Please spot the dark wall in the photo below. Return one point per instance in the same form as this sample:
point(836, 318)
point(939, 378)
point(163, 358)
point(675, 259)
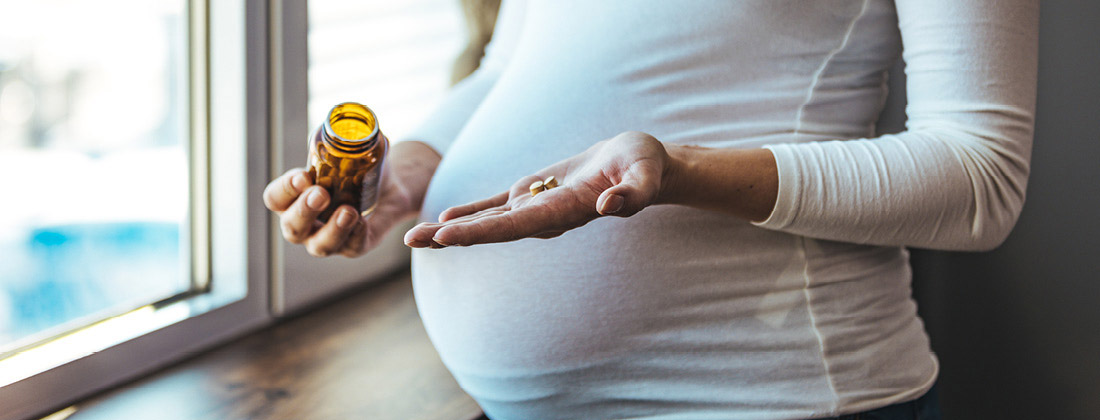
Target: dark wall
point(1018, 329)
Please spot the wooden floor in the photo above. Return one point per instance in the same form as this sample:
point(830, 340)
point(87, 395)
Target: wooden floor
point(365, 356)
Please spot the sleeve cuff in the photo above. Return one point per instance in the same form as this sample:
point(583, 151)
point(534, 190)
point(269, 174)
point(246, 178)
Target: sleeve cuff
point(790, 186)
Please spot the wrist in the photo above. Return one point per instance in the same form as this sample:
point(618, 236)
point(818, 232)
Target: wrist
point(743, 182)
point(681, 164)
point(412, 164)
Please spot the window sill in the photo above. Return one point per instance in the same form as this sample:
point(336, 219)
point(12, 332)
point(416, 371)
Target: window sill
point(363, 356)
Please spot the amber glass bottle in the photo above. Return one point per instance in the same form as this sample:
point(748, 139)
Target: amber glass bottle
point(345, 157)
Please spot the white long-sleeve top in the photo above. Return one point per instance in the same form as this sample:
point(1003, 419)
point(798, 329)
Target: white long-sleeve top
point(679, 313)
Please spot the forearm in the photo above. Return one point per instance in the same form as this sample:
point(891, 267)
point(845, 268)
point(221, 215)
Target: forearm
point(742, 182)
point(930, 188)
point(956, 179)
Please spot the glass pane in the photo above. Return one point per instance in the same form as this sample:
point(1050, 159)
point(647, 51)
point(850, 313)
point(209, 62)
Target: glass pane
point(393, 56)
point(93, 117)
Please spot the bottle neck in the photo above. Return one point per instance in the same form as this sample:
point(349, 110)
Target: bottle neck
point(348, 147)
point(350, 128)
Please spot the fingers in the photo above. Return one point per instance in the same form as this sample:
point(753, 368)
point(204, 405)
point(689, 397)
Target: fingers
point(498, 219)
point(637, 189)
point(300, 219)
point(356, 244)
point(332, 236)
point(471, 208)
point(423, 235)
point(503, 226)
point(281, 192)
point(508, 226)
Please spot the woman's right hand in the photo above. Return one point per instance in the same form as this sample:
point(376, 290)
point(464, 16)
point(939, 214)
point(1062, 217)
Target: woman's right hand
point(297, 201)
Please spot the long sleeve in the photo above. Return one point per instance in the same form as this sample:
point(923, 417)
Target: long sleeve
point(956, 178)
point(448, 118)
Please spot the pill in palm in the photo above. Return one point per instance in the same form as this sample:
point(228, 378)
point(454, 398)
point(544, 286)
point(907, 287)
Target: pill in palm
point(537, 187)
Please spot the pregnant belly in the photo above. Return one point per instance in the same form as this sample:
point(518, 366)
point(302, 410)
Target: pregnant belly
point(673, 305)
point(613, 286)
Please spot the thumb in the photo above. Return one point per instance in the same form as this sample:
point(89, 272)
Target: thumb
point(635, 191)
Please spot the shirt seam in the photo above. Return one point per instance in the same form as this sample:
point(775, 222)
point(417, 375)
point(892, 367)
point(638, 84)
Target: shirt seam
point(799, 116)
point(813, 325)
point(816, 80)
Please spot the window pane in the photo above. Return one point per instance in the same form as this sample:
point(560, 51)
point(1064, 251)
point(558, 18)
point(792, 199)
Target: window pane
point(93, 118)
point(394, 56)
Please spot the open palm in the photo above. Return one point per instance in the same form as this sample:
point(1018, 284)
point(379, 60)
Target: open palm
point(619, 176)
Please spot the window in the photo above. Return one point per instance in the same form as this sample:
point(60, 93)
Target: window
point(121, 253)
point(94, 143)
point(140, 135)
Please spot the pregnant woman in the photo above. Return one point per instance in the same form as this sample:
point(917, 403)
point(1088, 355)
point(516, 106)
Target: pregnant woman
point(728, 237)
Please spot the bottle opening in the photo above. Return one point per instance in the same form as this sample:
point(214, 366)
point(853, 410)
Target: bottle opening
point(351, 122)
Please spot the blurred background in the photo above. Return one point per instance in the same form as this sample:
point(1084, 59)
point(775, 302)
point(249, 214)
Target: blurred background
point(1017, 329)
point(94, 139)
point(93, 120)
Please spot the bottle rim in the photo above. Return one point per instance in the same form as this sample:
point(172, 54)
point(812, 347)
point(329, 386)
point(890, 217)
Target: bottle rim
point(348, 145)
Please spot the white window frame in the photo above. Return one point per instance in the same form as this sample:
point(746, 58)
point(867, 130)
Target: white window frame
point(228, 44)
point(299, 280)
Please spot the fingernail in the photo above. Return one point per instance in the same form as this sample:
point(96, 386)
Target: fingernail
point(345, 219)
point(612, 204)
point(315, 200)
point(299, 182)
